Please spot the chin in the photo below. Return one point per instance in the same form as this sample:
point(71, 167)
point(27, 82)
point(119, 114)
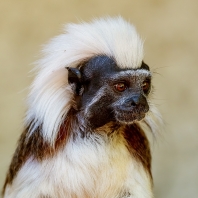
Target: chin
point(129, 117)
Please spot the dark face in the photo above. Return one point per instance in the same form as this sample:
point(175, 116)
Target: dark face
point(105, 92)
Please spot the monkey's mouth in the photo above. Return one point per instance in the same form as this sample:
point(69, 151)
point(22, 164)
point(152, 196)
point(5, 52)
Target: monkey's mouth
point(129, 117)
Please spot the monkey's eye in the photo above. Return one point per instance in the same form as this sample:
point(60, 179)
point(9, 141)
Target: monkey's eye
point(146, 86)
point(120, 87)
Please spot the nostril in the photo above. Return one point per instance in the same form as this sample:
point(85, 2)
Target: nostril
point(133, 104)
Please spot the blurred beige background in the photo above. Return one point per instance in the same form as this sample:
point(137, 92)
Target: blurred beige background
point(170, 28)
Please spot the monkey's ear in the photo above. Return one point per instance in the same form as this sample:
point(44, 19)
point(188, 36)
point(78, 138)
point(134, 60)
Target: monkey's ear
point(74, 75)
point(75, 78)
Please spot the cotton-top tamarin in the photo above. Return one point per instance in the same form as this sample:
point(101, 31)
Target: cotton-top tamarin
point(88, 110)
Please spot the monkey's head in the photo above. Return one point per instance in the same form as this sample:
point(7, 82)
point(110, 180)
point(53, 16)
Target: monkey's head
point(105, 92)
point(106, 78)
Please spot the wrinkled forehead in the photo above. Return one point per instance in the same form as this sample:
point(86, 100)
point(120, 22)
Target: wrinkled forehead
point(106, 67)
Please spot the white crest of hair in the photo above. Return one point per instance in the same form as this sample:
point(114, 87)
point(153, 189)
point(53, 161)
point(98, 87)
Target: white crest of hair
point(51, 96)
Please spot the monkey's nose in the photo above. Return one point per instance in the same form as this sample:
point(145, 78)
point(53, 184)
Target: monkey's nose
point(133, 101)
point(137, 101)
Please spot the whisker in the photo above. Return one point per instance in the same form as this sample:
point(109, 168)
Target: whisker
point(161, 67)
point(157, 73)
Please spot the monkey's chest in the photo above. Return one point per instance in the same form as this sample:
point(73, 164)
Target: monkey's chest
point(87, 169)
point(95, 170)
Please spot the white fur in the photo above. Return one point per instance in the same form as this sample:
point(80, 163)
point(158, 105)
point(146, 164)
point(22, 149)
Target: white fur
point(153, 120)
point(87, 170)
point(50, 96)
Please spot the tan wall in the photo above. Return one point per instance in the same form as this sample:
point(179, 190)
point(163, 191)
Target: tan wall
point(171, 31)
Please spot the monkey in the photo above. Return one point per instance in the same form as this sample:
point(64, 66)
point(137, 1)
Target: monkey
point(89, 110)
